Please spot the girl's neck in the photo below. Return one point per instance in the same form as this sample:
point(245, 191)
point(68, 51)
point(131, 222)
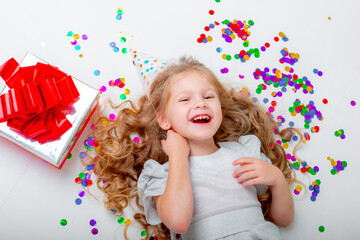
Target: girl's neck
point(200, 148)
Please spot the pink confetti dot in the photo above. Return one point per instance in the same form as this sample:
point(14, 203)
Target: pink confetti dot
point(353, 103)
point(136, 139)
point(112, 116)
point(241, 76)
point(103, 89)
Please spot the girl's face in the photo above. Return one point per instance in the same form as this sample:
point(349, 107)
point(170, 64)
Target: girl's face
point(193, 109)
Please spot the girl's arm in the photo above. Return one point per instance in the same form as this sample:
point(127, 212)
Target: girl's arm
point(282, 203)
point(255, 171)
point(175, 206)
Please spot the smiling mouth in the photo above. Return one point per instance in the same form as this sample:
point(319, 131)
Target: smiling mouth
point(201, 119)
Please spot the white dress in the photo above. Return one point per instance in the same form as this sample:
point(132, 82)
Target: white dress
point(223, 208)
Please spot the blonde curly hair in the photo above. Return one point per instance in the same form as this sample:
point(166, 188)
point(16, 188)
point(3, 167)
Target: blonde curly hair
point(119, 159)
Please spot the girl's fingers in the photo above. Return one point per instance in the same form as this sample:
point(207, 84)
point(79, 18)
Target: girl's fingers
point(251, 182)
point(242, 169)
point(246, 176)
point(243, 161)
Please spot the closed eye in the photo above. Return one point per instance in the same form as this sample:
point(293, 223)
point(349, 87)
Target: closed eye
point(208, 97)
point(183, 100)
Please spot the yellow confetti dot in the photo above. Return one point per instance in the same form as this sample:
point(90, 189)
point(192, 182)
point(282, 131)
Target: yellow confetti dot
point(246, 27)
point(328, 158)
point(298, 188)
point(132, 37)
point(286, 145)
point(281, 34)
point(232, 36)
point(246, 57)
point(127, 91)
point(80, 55)
point(223, 56)
point(105, 122)
point(304, 141)
point(76, 36)
point(309, 88)
point(209, 38)
point(333, 163)
point(287, 68)
point(127, 221)
point(122, 80)
point(329, 18)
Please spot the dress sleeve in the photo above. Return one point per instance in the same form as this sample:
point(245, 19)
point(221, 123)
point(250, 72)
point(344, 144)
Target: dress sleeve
point(152, 182)
point(253, 143)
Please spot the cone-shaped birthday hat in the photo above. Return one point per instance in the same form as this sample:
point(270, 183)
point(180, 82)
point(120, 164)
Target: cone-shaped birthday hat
point(148, 68)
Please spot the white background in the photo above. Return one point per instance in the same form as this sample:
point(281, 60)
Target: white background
point(35, 196)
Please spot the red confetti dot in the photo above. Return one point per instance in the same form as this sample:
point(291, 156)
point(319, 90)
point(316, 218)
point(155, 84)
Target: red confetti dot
point(276, 39)
point(242, 52)
point(207, 28)
point(199, 40)
point(295, 76)
point(325, 101)
point(307, 137)
point(211, 12)
point(316, 128)
point(267, 45)
point(273, 103)
point(216, 23)
point(78, 180)
point(202, 36)
point(89, 182)
point(303, 170)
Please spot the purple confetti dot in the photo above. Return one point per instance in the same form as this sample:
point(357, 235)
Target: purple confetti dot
point(92, 222)
point(81, 193)
point(320, 73)
point(84, 37)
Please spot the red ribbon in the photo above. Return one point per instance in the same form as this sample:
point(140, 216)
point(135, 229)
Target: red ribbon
point(37, 101)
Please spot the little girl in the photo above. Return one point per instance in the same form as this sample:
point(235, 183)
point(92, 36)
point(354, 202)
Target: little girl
point(207, 166)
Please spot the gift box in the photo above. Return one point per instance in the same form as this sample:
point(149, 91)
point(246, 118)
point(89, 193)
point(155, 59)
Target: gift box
point(76, 108)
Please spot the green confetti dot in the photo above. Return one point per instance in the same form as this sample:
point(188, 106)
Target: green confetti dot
point(69, 156)
point(122, 96)
point(236, 56)
point(228, 57)
point(121, 220)
point(258, 91)
point(82, 175)
point(336, 133)
point(63, 222)
point(344, 163)
point(257, 55)
point(217, 1)
point(291, 109)
point(333, 172)
point(312, 171)
point(124, 50)
point(321, 229)
point(318, 181)
point(276, 84)
point(245, 44)
point(251, 22)
point(143, 233)
point(123, 39)
point(306, 125)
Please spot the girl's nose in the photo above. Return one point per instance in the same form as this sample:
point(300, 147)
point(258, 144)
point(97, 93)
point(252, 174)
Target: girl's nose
point(200, 102)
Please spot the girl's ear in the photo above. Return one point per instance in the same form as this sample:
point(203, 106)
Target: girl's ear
point(162, 121)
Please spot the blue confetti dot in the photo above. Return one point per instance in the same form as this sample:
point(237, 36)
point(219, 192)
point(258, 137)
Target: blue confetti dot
point(266, 100)
point(112, 44)
point(82, 155)
point(96, 72)
point(291, 124)
point(118, 17)
point(116, 49)
point(219, 49)
point(78, 201)
point(77, 47)
point(211, 25)
point(315, 71)
point(313, 198)
point(84, 182)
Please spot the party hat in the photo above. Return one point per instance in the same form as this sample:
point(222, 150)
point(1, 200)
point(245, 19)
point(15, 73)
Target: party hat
point(148, 68)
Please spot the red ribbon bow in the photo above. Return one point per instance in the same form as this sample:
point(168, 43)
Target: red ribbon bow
point(38, 98)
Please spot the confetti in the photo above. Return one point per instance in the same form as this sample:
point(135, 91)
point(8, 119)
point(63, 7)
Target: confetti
point(321, 228)
point(340, 133)
point(63, 222)
point(338, 166)
point(94, 231)
point(92, 222)
point(353, 103)
point(315, 188)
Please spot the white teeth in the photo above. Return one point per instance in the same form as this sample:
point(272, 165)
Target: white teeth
point(201, 117)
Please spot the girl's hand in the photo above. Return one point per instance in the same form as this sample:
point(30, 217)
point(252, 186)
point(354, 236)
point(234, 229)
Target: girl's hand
point(175, 144)
point(255, 171)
